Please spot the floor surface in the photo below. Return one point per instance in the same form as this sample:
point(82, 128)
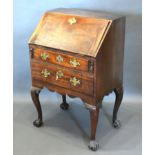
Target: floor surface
point(67, 132)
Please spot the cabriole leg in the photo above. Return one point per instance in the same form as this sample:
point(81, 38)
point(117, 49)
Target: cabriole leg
point(35, 98)
point(119, 97)
point(64, 105)
point(94, 114)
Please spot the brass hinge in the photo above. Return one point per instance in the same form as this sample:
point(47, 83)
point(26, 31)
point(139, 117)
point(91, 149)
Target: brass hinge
point(90, 66)
point(31, 52)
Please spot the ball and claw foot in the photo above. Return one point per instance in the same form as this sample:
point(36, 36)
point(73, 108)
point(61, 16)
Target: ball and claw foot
point(116, 124)
point(38, 123)
point(93, 145)
point(64, 106)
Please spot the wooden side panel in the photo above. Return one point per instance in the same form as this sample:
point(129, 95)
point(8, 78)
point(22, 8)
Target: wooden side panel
point(119, 47)
point(109, 61)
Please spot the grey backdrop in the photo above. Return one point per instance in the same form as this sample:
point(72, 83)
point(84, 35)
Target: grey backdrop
point(27, 15)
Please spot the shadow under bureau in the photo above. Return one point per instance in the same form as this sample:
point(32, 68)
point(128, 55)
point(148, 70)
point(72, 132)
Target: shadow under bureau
point(78, 53)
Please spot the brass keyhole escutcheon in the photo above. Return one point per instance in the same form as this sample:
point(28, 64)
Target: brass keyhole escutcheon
point(74, 63)
point(59, 74)
point(72, 21)
point(59, 58)
point(74, 81)
point(45, 73)
point(44, 56)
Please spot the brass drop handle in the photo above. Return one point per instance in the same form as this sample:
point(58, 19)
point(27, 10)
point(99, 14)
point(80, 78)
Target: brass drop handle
point(72, 21)
point(45, 73)
point(59, 74)
point(44, 56)
point(74, 81)
point(74, 63)
point(59, 58)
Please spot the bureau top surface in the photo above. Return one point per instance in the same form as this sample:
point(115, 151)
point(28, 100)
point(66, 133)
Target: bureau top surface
point(88, 13)
point(73, 30)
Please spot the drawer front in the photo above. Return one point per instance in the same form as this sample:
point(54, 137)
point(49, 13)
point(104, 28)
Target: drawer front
point(59, 76)
point(56, 57)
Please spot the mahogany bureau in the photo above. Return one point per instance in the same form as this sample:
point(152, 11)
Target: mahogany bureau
point(78, 53)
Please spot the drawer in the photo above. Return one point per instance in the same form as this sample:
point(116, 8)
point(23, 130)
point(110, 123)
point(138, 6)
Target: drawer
point(59, 58)
point(60, 76)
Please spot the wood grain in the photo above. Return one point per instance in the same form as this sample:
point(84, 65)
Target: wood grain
point(53, 53)
point(86, 82)
point(55, 31)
